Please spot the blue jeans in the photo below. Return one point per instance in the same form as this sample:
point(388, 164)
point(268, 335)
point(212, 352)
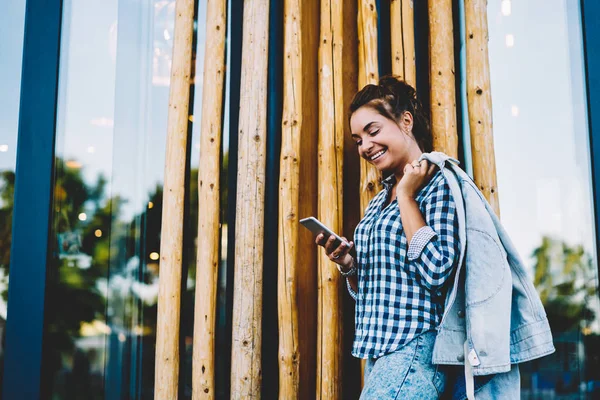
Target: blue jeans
point(406, 373)
point(505, 385)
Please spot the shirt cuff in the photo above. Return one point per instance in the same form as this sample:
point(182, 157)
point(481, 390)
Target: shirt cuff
point(419, 241)
point(353, 294)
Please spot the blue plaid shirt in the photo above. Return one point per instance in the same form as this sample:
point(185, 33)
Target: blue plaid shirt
point(400, 286)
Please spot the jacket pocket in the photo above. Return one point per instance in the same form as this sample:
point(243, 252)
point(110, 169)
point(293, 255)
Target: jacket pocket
point(486, 267)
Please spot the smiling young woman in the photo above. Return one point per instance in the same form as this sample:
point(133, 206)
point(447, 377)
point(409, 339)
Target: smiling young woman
point(406, 246)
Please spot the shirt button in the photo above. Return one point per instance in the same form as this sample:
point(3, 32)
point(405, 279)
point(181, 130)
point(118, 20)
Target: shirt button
point(461, 314)
point(460, 358)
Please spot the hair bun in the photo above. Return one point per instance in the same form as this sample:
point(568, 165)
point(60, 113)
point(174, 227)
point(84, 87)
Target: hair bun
point(398, 87)
point(398, 92)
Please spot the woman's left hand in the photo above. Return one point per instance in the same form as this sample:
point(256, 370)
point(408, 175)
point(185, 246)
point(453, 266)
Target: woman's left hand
point(416, 175)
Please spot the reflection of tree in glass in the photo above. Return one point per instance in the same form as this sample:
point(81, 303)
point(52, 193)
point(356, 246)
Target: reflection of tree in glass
point(79, 295)
point(565, 280)
point(7, 191)
point(73, 294)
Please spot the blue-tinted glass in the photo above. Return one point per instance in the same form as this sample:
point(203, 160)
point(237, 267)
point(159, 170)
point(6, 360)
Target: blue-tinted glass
point(110, 151)
point(544, 181)
point(110, 159)
point(12, 21)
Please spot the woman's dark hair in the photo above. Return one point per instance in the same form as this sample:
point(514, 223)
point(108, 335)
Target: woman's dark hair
point(392, 97)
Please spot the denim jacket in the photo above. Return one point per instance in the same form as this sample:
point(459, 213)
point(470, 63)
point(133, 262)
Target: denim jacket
point(491, 305)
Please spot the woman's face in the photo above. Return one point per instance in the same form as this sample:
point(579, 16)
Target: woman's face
point(382, 142)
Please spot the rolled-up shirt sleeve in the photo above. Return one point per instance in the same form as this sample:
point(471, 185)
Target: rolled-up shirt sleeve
point(434, 248)
point(419, 240)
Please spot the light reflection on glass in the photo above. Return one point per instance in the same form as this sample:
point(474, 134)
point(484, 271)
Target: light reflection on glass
point(12, 21)
point(111, 125)
point(506, 8)
point(510, 40)
point(544, 183)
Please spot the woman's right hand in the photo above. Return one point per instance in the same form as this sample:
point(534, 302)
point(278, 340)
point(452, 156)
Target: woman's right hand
point(341, 254)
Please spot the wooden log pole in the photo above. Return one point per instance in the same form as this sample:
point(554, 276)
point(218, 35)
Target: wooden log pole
point(166, 373)
point(289, 184)
point(368, 65)
point(207, 259)
point(330, 203)
point(402, 24)
point(479, 99)
point(307, 271)
point(249, 236)
point(368, 73)
point(297, 268)
point(442, 79)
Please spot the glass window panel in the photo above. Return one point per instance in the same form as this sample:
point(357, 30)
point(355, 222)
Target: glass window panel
point(544, 181)
point(110, 150)
point(12, 21)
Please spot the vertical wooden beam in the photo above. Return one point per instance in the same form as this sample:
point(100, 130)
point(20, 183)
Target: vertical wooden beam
point(207, 259)
point(297, 197)
point(247, 300)
point(331, 157)
point(289, 185)
point(367, 30)
point(442, 79)
point(402, 24)
point(479, 98)
point(306, 272)
point(368, 73)
point(169, 293)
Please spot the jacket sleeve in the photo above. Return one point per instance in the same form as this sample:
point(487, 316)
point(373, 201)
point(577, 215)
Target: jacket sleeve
point(434, 249)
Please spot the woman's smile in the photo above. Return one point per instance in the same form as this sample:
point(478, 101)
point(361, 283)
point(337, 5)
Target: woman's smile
point(377, 155)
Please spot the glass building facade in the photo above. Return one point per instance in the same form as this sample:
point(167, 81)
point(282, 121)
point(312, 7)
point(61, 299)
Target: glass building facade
point(83, 107)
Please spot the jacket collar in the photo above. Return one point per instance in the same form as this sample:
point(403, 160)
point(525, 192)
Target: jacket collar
point(438, 158)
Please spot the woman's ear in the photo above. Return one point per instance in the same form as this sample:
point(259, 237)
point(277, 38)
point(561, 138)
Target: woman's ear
point(406, 121)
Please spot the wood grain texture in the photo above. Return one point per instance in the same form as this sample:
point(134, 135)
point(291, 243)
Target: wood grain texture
point(207, 258)
point(442, 78)
point(368, 67)
point(249, 237)
point(330, 205)
point(402, 31)
point(479, 99)
point(289, 196)
point(169, 294)
point(306, 272)
point(297, 267)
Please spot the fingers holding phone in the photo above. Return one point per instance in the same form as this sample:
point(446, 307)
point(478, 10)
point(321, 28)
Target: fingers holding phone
point(336, 250)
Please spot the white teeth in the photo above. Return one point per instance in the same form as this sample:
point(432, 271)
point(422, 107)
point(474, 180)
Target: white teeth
point(377, 155)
